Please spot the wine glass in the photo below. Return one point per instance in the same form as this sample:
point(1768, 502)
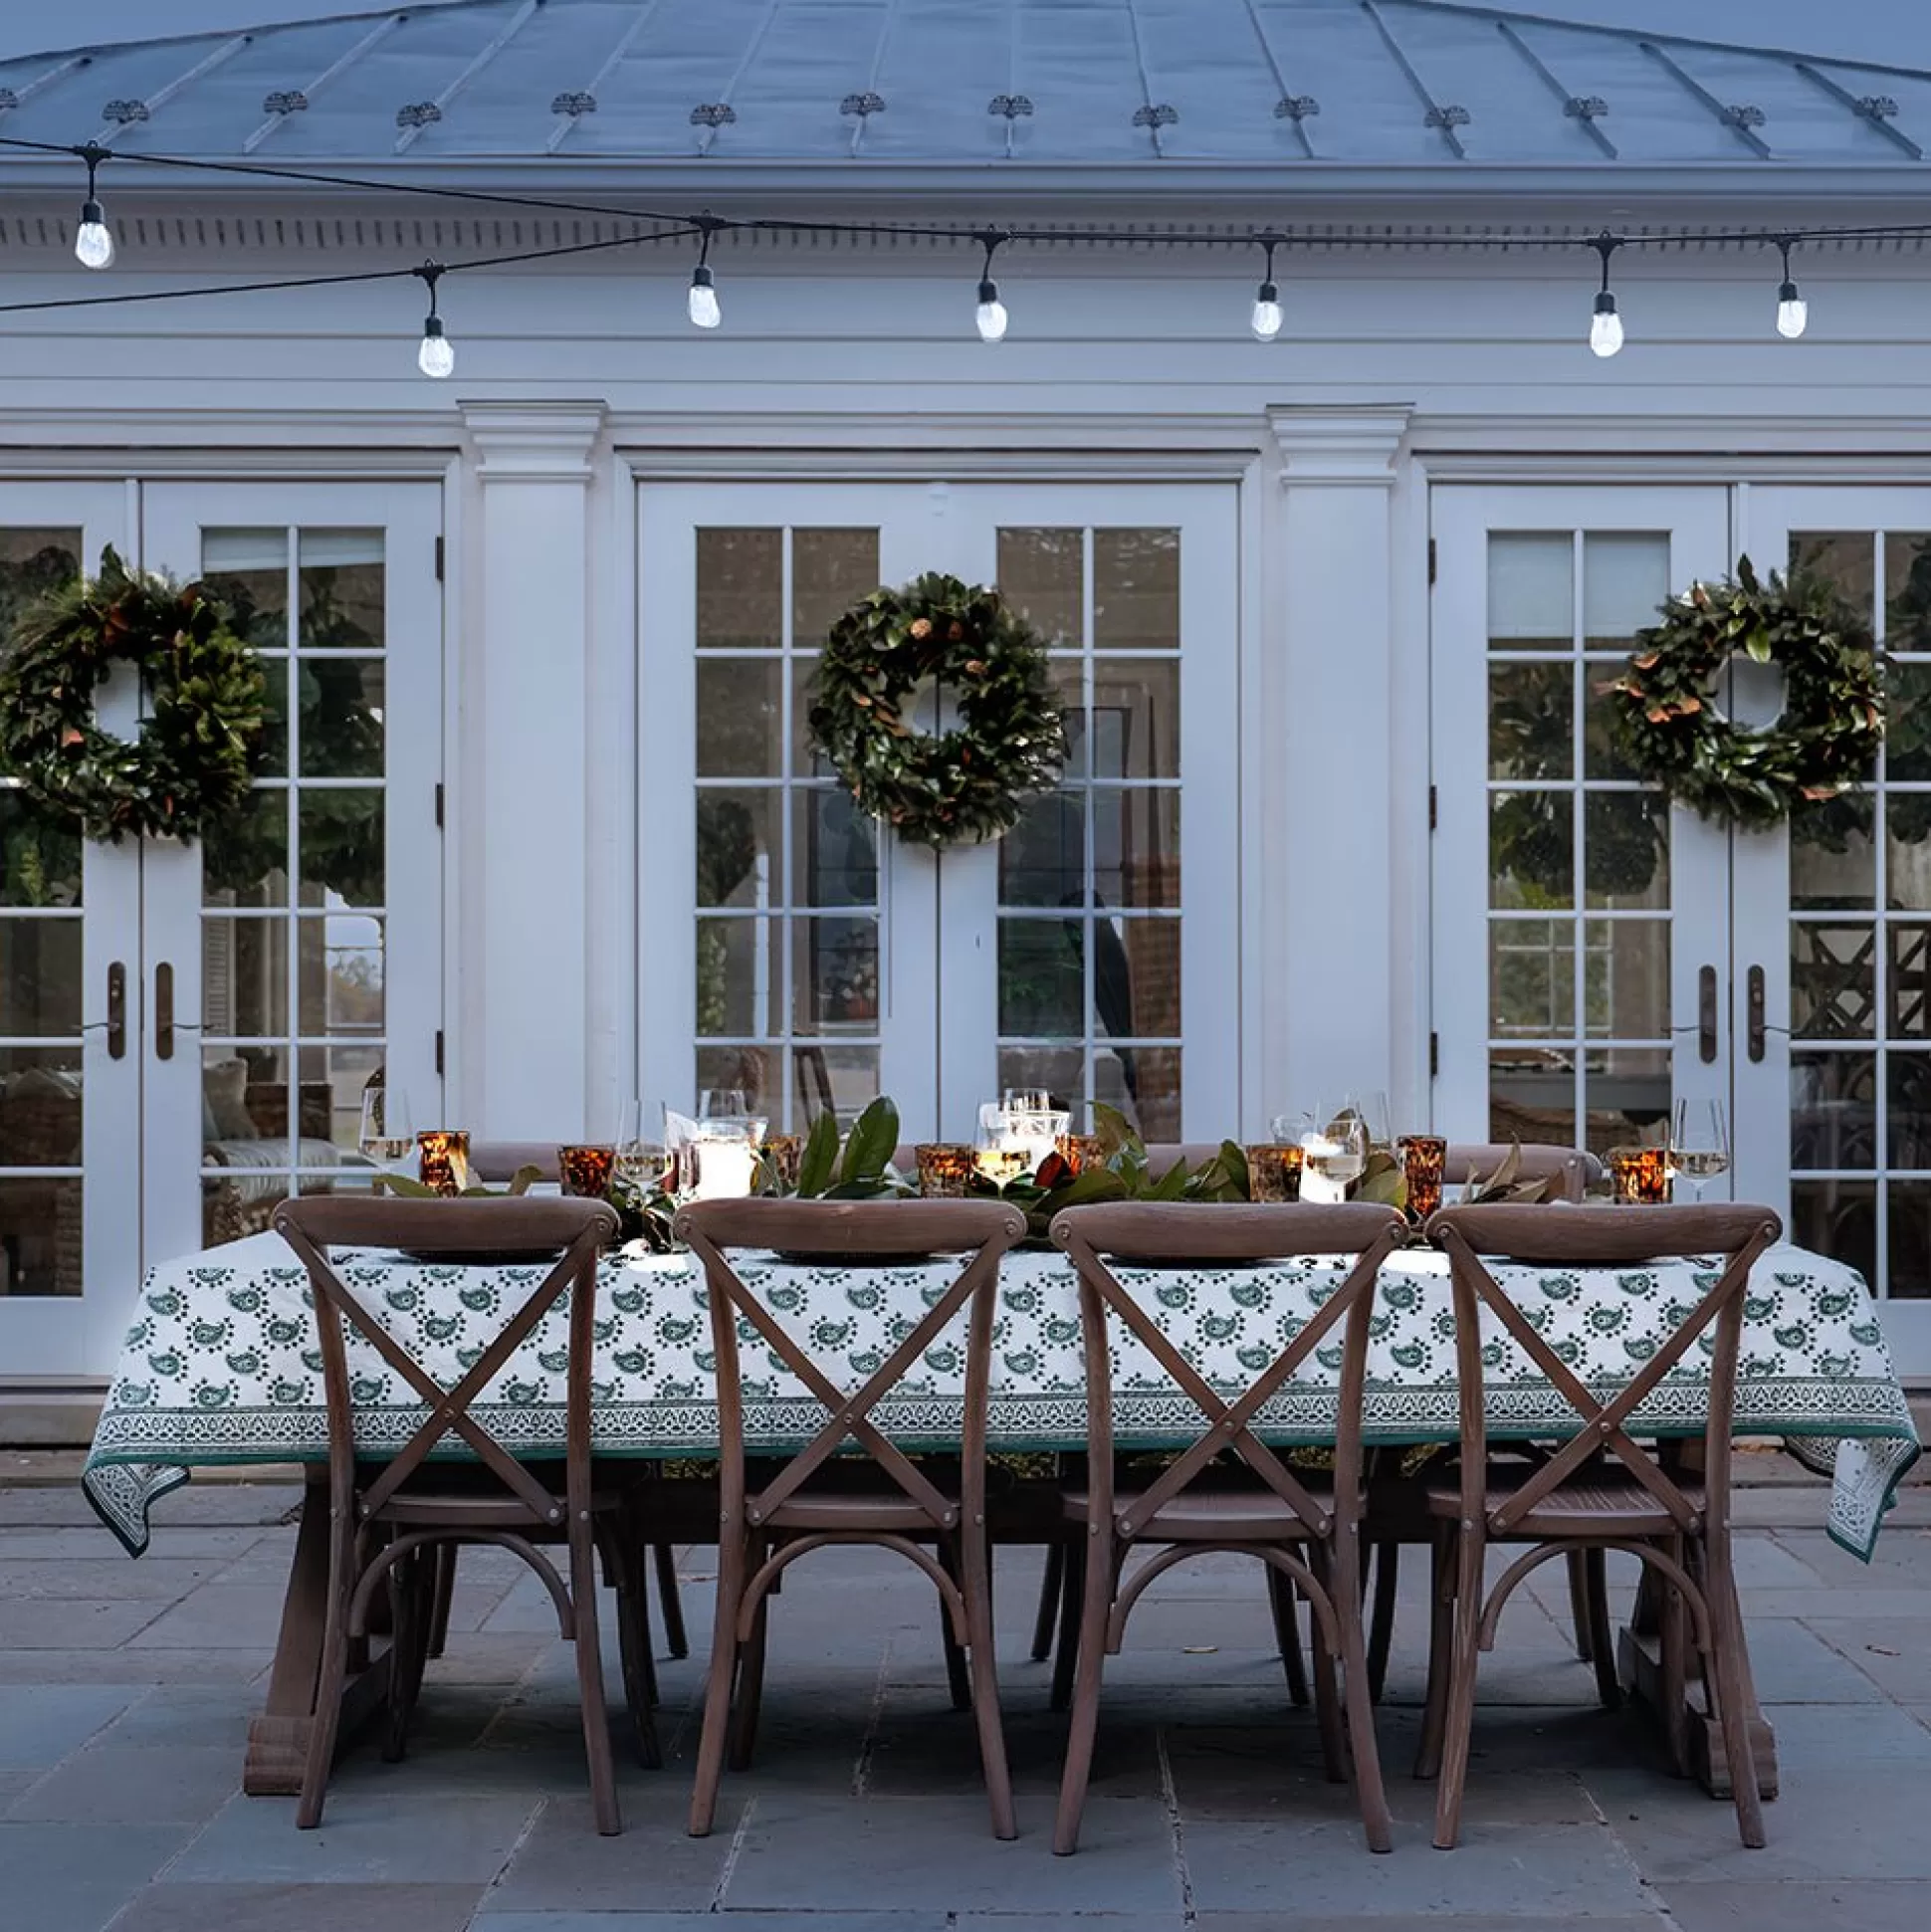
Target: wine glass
point(1336, 1151)
point(640, 1160)
point(994, 1155)
point(388, 1133)
point(1699, 1142)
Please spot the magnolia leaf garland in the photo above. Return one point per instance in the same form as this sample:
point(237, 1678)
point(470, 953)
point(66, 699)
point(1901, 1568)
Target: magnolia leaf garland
point(197, 750)
point(973, 780)
point(1822, 742)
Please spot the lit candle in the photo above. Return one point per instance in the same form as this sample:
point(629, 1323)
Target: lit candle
point(726, 1169)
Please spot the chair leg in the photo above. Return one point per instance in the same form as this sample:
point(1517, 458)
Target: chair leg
point(675, 1641)
point(750, 1676)
point(1359, 1706)
point(633, 1642)
point(1730, 1672)
point(1442, 1644)
point(1072, 1598)
point(589, 1680)
point(733, 1558)
point(1047, 1616)
point(1386, 1558)
point(1098, 1567)
point(330, 1678)
point(445, 1589)
point(958, 1679)
point(1287, 1635)
point(1461, 1718)
point(1602, 1635)
point(974, 1570)
point(412, 1587)
point(1327, 1701)
point(1579, 1605)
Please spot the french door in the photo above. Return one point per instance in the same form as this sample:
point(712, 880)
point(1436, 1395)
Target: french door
point(190, 1027)
point(825, 962)
point(1597, 953)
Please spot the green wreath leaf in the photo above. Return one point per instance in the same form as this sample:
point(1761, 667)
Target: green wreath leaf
point(1676, 735)
point(199, 747)
point(972, 781)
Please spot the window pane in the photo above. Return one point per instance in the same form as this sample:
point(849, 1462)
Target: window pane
point(40, 856)
point(1838, 1218)
point(40, 1106)
point(1135, 718)
point(741, 590)
point(332, 1081)
point(342, 847)
point(757, 1072)
point(40, 1238)
point(1833, 1110)
point(1907, 591)
point(1910, 983)
point(1042, 987)
point(737, 859)
point(1603, 756)
point(342, 588)
point(1043, 576)
point(1907, 1097)
point(1625, 974)
point(1833, 982)
point(1907, 736)
point(40, 976)
point(1531, 1096)
point(245, 976)
point(1531, 721)
point(830, 570)
point(338, 974)
point(1151, 1077)
point(1137, 978)
point(1532, 850)
point(834, 851)
point(1532, 978)
point(738, 718)
point(1061, 1071)
point(1628, 1092)
point(1042, 860)
point(1911, 1240)
point(1844, 560)
point(1626, 849)
point(248, 569)
point(840, 1079)
point(835, 968)
point(245, 854)
point(1831, 861)
point(1532, 590)
point(342, 716)
point(1626, 582)
point(1136, 847)
point(33, 562)
point(739, 984)
point(1907, 851)
point(1136, 589)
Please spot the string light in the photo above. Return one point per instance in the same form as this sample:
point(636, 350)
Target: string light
point(990, 313)
point(1267, 318)
point(1606, 326)
point(435, 356)
point(706, 312)
point(94, 242)
point(1793, 312)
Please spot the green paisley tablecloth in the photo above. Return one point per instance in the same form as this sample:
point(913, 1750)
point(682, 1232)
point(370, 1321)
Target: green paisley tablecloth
point(222, 1364)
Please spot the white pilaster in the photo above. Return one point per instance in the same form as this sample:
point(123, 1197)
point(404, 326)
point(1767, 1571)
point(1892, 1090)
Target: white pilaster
point(1329, 894)
point(524, 841)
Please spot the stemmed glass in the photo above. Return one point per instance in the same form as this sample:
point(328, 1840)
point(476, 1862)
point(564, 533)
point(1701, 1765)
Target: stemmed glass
point(640, 1160)
point(1335, 1151)
point(388, 1133)
point(1699, 1142)
point(993, 1152)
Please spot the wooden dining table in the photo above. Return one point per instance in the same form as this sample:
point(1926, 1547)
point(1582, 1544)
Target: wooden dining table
point(221, 1367)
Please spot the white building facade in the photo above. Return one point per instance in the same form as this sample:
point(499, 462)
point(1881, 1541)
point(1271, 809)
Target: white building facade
point(542, 831)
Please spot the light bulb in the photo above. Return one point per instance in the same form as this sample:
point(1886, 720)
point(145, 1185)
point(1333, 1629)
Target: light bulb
point(1605, 328)
point(1267, 318)
point(94, 245)
point(1793, 312)
point(990, 315)
point(437, 357)
point(705, 312)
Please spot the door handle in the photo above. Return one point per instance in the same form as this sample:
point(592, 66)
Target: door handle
point(1754, 997)
point(1706, 1014)
point(117, 1010)
point(164, 1011)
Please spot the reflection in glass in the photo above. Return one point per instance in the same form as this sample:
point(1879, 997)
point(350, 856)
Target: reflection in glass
point(1909, 1204)
point(830, 570)
point(1042, 860)
point(245, 855)
point(1137, 977)
point(1910, 983)
point(834, 851)
point(1625, 583)
point(40, 855)
point(245, 976)
point(1531, 1095)
point(738, 718)
point(334, 1080)
point(1834, 1111)
point(1135, 718)
point(1136, 847)
point(1042, 987)
point(1626, 1094)
point(1907, 591)
point(1907, 1109)
point(1907, 851)
point(1845, 560)
point(1531, 850)
point(40, 1238)
point(1626, 849)
point(1156, 1091)
point(341, 717)
point(34, 562)
point(737, 846)
point(1531, 721)
point(741, 590)
point(834, 974)
point(1603, 756)
point(343, 849)
point(1833, 982)
point(40, 1106)
point(40, 976)
point(1136, 589)
point(1831, 861)
point(1532, 978)
point(1532, 590)
point(839, 1080)
point(248, 569)
point(1907, 731)
point(1041, 576)
point(338, 974)
point(1625, 979)
point(755, 1071)
point(1838, 1218)
point(341, 576)
point(738, 986)
point(1059, 1071)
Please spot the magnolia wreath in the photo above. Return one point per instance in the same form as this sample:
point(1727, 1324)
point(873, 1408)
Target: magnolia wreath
point(1823, 740)
point(199, 746)
point(971, 780)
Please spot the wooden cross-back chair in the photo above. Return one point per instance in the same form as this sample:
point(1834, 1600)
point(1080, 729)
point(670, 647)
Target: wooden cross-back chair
point(388, 1518)
point(1309, 1538)
point(1599, 1489)
point(805, 1504)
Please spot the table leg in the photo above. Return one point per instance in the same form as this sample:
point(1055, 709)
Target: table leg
point(278, 1740)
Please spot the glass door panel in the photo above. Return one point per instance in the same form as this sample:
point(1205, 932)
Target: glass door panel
point(69, 1240)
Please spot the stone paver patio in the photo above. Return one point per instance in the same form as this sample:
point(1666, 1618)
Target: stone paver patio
point(125, 1690)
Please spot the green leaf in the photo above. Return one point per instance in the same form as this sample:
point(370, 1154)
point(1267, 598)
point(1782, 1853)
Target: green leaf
point(873, 1140)
point(525, 1177)
point(819, 1157)
point(1172, 1184)
point(402, 1186)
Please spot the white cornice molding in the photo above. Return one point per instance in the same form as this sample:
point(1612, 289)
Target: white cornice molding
point(1350, 445)
point(534, 442)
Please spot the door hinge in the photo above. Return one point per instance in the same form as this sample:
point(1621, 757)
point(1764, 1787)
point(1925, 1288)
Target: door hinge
point(439, 1053)
point(1434, 808)
point(1435, 1055)
point(1432, 563)
point(438, 806)
point(439, 560)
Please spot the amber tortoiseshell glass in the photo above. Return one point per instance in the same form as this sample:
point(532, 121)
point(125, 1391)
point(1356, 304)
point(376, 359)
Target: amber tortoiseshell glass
point(945, 1166)
point(585, 1171)
point(1080, 1151)
point(443, 1159)
point(1639, 1175)
point(1425, 1158)
point(783, 1154)
point(1273, 1171)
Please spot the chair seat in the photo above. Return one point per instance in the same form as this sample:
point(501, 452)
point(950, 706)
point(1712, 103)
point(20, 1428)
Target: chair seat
point(1205, 1516)
point(858, 1513)
point(457, 1511)
point(1605, 1507)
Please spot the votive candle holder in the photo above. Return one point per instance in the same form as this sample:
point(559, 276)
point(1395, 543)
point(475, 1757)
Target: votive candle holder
point(782, 1155)
point(1081, 1151)
point(586, 1169)
point(1639, 1176)
point(944, 1169)
point(443, 1158)
point(1425, 1161)
point(1273, 1171)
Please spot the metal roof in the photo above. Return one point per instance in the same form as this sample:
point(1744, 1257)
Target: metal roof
point(1141, 84)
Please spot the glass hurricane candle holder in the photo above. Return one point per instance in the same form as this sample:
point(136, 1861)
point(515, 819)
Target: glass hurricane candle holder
point(1273, 1171)
point(1639, 1176)
point(586, 1171)
point(1425, 1159)
point(1081, 1151)
point(945, 1167)
point(783, 1154)
point(443, 1159)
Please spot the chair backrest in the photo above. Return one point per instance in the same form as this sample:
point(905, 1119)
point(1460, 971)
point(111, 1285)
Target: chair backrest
point(1575, 1168)
point(1151, 1234)
point(453, 1231)
point(1614, 1238)
point(980, 1230)
point(499, 1160)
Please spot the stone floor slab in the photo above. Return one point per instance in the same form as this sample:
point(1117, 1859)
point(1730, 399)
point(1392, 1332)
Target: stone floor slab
point(154, 1578)
point(41, 1723)
point(71, 1623)
point(301, 1908)
point(491, 1920)
point(187, 1715)
point(74, 1877)
point(562, 1865)
point(1795, 1905)
point(111, 1784)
